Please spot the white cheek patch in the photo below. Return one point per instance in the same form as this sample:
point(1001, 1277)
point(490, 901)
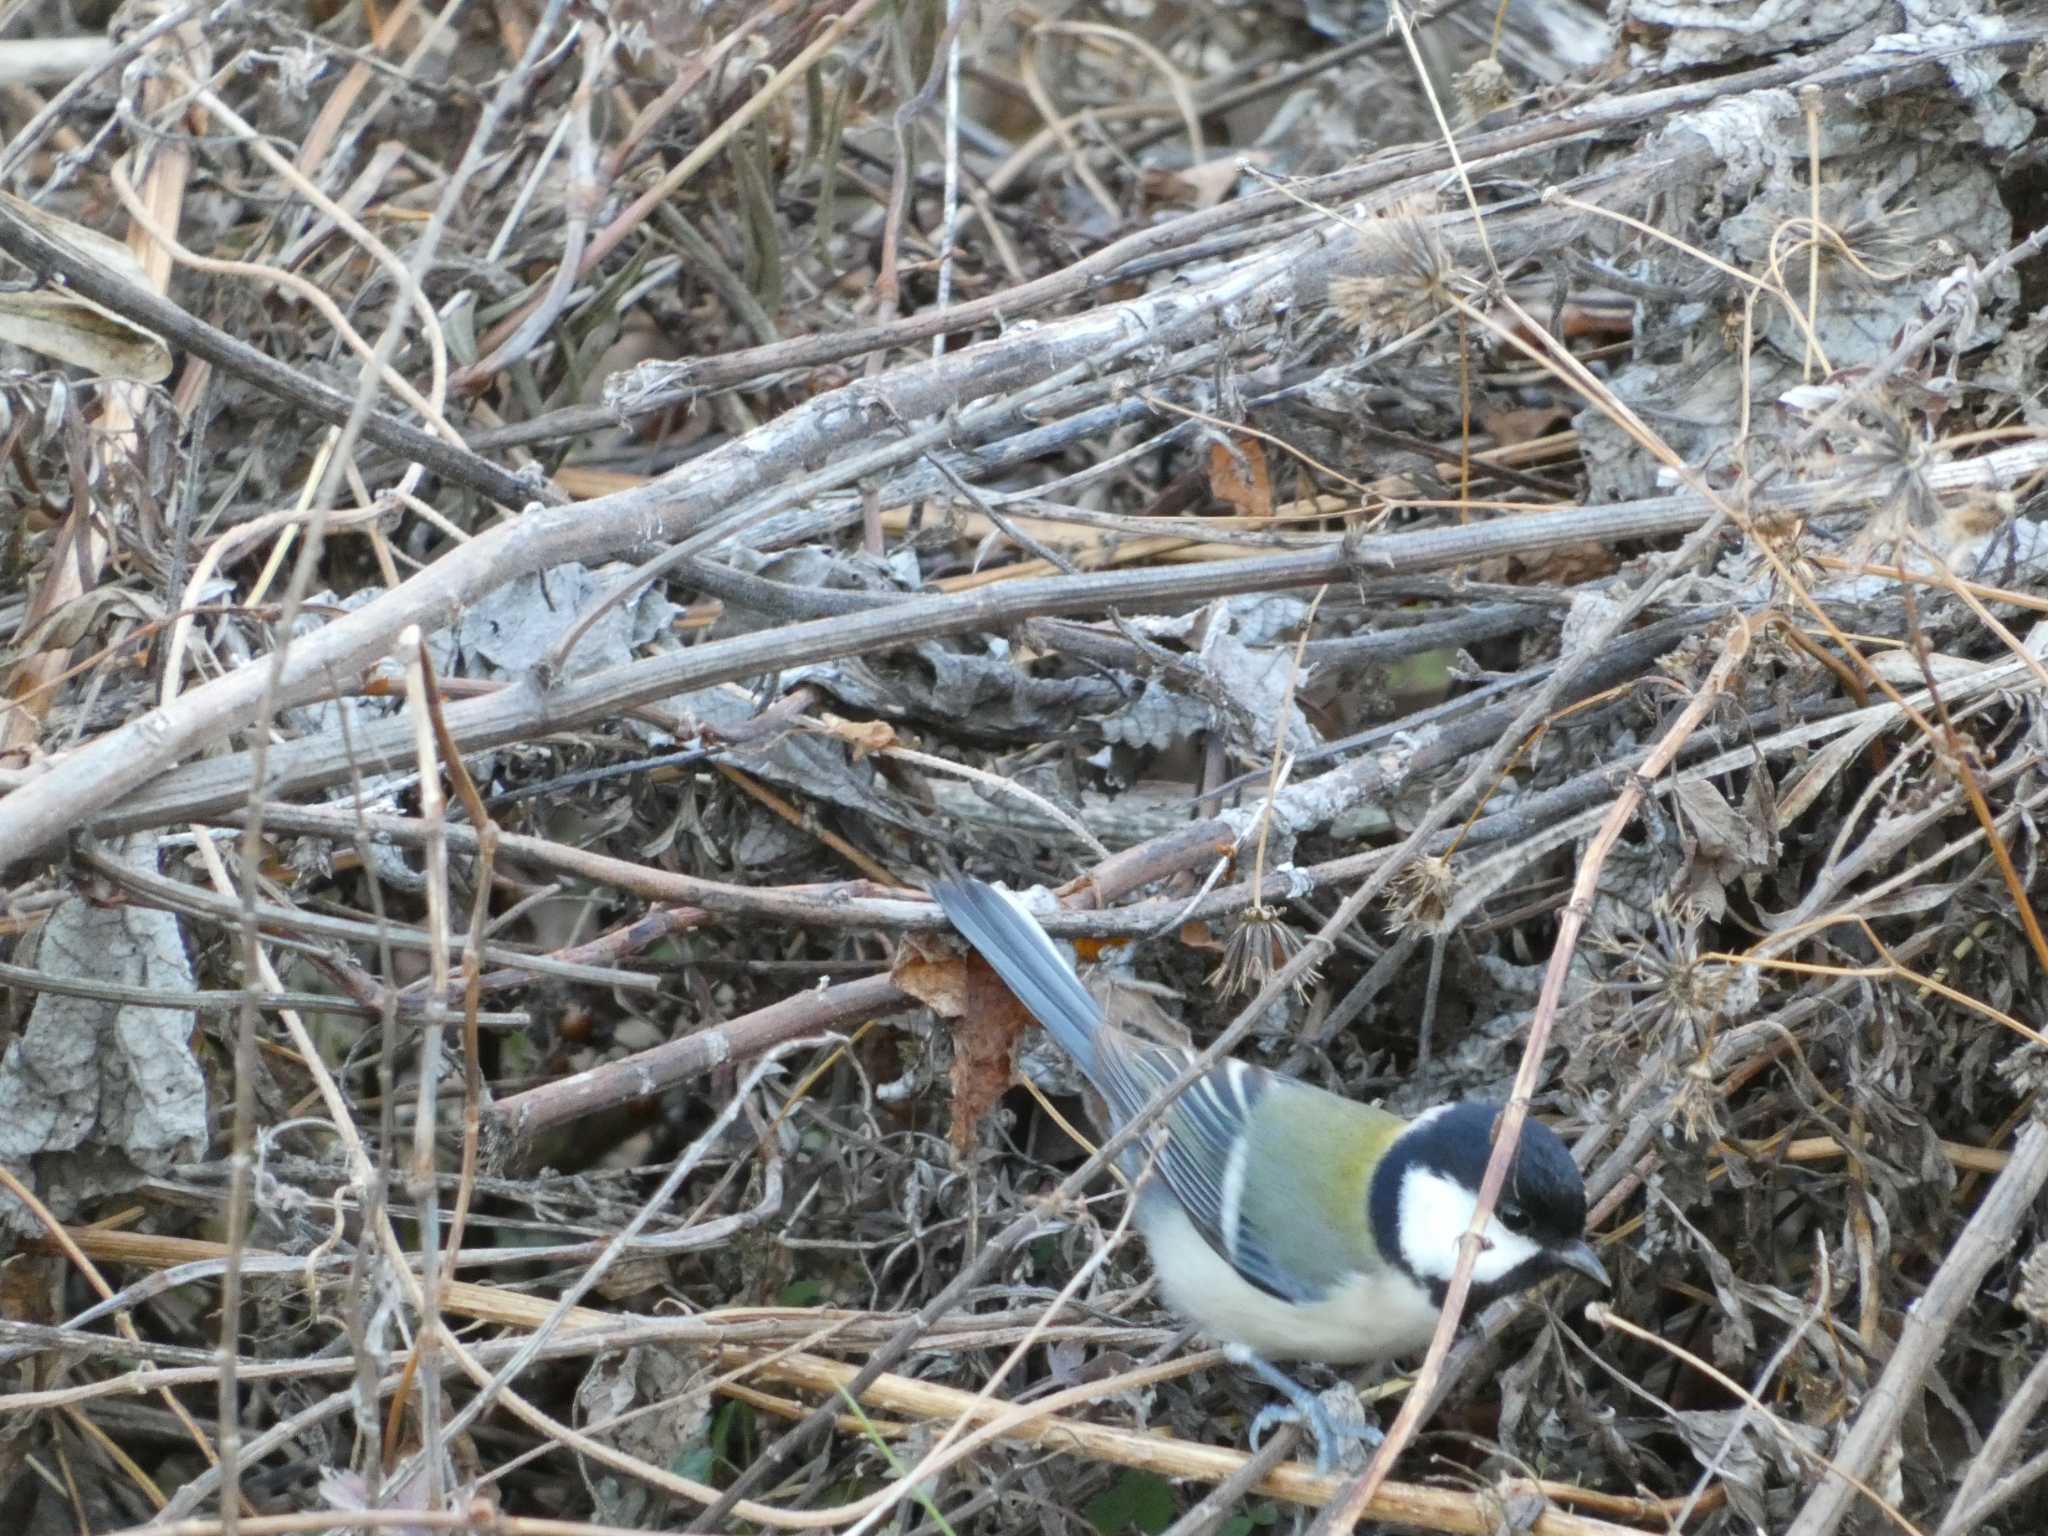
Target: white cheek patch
point(1435, 1211)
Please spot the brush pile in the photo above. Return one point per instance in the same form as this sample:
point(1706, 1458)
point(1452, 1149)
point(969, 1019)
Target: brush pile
point(539, 529)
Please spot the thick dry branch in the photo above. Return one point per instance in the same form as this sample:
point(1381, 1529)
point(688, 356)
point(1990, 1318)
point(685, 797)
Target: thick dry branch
point(1165, 244)
point(1432, 1509)
point(98, 776)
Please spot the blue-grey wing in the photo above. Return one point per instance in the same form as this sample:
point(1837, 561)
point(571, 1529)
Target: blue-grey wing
point(1204, 1160)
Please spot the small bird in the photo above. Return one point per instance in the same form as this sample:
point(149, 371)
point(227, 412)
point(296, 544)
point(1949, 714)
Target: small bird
point(1285, 1221)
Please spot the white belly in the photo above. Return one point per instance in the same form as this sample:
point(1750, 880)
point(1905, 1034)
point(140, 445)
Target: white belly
point(1372, 1317)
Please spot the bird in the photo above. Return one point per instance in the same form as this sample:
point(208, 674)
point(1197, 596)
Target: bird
point(1287, 1222)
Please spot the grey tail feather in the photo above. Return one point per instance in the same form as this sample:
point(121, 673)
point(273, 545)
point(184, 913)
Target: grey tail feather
point(1006, 935)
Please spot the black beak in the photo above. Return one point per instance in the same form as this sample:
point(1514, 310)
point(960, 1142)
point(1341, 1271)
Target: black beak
point(1579, 1256)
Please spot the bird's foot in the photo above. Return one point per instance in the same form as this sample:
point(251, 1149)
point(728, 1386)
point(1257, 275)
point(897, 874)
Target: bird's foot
point(1336, 1433)
point(1334, 1437)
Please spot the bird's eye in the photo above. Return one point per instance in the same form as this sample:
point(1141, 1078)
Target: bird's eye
point(1512, 1216)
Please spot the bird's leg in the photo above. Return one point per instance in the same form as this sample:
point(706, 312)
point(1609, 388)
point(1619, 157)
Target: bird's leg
point(1303, 1407)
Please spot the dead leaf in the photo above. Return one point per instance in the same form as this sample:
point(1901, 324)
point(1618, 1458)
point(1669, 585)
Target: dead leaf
point(1568, 565)
point(94, 1094)
point(1195, 186)
point(85, 614)
point(987, 1024)
point(1722, 846)
point(70, 328)
point(1519, 424)
point(656, 1404)
point(1238, 474)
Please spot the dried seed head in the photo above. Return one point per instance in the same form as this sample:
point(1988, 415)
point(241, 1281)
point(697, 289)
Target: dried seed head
point(1784, 534)
point(1484, 88)
point(1861, 246)
point(1412, 274)
point(1678, 994)
point(1970, 516)
point(1890, 454)
point(1261, 942)
point(1421, 894)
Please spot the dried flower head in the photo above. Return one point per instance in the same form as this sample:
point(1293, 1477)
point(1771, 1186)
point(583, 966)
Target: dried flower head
point(1484, 88)
point(1859, 242)
point(1412, 274)
point(1261, 942)
point(1890, 461)
point(1784, 534)
point(1420, 894)
point(1676, 996)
